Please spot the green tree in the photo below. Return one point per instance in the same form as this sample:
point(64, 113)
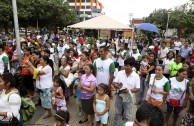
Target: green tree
point(159, 18)
point(49, 14)
point(6, 15)
point(182, 17)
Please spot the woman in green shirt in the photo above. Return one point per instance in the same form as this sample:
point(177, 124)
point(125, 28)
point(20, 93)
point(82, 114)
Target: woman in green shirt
point(175, 66)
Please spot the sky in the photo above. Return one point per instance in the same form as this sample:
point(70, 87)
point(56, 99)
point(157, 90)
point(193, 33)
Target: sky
point(121, 9)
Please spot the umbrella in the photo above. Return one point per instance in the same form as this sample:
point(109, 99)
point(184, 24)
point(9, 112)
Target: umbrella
point(148, 27)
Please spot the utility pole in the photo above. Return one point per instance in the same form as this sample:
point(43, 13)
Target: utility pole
point(167, 24)
point(15, 15)
point(130, 18)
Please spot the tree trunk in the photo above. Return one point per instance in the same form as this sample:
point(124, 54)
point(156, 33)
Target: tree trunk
point(6, 29)
point(25, 31)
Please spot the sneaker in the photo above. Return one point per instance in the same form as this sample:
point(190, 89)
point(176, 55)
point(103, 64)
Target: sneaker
point(80, 114)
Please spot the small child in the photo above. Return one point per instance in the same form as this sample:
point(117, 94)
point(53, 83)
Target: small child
point(61, 118)
point(78, 91)
point(144, 64)
point(101, 105)
point(58, 99)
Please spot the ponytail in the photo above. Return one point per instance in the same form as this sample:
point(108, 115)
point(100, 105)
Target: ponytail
point(60, 81)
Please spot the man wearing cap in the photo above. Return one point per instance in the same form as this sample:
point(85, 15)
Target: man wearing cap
point(4, 60)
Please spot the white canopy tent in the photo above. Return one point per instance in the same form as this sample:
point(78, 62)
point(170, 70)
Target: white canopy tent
point(101, 23)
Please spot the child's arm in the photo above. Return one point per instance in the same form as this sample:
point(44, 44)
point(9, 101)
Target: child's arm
point(61, 95)
point(107, 105)
point(94, 105)
point(145, 92)
point(191, 97)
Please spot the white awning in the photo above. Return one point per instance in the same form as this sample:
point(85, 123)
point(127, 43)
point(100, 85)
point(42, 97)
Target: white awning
point(100, 22)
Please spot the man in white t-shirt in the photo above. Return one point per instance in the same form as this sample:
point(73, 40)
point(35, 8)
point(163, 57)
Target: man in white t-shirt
point(177, 46)
point(100, 43)
point(162, 52)
point(104, 68)
point(126, 82)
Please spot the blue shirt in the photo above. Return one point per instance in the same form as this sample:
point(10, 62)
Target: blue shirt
point(184, 52)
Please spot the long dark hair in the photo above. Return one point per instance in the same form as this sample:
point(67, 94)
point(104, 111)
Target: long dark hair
point(8, 77)
point(152, 53)
point(59, 80)
point(180, 71)
point(190, 73)
point(167, 57)
point(49, 62)
point(91, 68)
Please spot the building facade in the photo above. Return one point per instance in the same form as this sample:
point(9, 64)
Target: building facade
point(86, 9)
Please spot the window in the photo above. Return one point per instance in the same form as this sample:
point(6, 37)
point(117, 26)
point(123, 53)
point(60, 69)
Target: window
point(81, 12)
point(88, 12)
point(83, 7)
point(87, 7)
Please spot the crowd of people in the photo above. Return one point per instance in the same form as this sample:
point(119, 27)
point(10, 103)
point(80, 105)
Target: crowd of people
point(55, 67)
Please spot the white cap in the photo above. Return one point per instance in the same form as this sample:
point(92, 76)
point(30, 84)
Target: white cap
point(53, 44)
point(129, 124)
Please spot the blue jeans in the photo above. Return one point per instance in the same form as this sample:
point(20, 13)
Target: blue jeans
point(119, 106)
point(142, 89)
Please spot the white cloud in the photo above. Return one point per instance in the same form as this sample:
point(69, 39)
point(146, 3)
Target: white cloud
point(120, 9)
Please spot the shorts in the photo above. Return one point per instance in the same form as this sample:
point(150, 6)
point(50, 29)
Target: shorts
point(103, 119)
point(175, 110)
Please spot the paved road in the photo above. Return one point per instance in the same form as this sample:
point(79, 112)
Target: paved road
point(37, 120)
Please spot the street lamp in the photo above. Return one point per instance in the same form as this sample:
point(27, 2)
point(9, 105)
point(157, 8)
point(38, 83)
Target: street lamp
point(130, 16)
point(169, 12)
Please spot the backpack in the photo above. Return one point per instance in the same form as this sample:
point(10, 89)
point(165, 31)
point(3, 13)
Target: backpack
point(27, 108)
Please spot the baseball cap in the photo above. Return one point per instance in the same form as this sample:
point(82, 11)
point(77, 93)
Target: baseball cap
point(134, 47)
point(10, 42)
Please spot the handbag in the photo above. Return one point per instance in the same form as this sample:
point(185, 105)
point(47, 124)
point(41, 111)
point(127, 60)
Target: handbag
point(152, 100)
point(176, 102)
point(12, 122)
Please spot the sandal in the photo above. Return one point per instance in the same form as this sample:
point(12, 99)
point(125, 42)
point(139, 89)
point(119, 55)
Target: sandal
point(47, 116)
point(80, 122)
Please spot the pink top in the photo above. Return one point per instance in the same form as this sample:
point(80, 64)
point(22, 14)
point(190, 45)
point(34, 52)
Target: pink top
point(87, 82)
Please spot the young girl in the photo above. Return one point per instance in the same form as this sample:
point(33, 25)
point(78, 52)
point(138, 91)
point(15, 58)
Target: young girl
point(101, 105)
point(175, 66)
point(59, 97)
point(166, 63)
point(61, 118)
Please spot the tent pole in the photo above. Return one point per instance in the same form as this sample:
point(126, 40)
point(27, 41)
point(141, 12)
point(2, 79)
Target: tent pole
point(132, 38)
point(98, 33)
